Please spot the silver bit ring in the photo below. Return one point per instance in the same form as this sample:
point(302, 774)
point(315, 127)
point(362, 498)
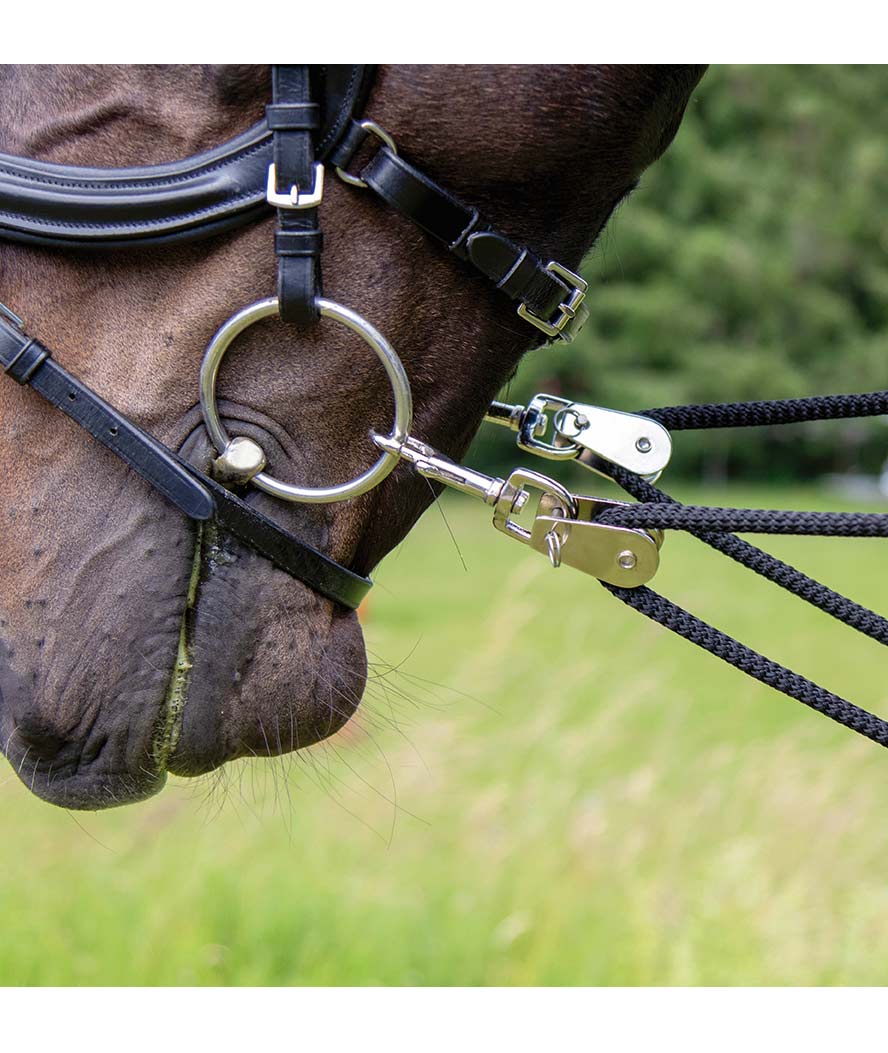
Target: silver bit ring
point(383, 350)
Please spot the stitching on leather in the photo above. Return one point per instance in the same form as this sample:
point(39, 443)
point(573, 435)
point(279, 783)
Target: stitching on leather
point(345, 108)
point(176, 218)
point(146, 181)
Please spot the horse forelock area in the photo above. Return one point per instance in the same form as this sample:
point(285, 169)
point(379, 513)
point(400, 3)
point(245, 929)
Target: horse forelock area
point(119, 661)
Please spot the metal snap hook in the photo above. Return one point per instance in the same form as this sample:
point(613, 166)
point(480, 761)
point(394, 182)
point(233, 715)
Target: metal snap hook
point(256, 312)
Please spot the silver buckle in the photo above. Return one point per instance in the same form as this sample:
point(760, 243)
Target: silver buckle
point(293, 198)
point(572, 314)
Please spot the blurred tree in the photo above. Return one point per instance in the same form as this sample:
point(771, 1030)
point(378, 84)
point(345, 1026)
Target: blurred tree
point(751, 262)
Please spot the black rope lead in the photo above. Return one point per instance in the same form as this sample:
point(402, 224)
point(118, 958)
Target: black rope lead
point(837, 606)
point(696, 518)
point(756, 665)
point(713, 526)
point(777, 411)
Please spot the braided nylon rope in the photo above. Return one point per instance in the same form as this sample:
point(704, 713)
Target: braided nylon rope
point(673, 617)
point(713, 526)
point(695, 519)
point(778, 411)
point(787, 577)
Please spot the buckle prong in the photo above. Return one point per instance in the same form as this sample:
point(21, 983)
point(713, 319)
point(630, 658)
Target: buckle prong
point(294, 199)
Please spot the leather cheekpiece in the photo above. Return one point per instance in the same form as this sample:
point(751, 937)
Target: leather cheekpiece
point(293, 147)
point(517, 271)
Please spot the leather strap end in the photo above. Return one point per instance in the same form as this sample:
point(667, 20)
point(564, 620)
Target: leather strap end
point(497, 258)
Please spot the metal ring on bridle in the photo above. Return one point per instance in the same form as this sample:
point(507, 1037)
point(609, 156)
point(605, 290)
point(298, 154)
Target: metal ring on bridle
point(380, 133)
point(374, 475)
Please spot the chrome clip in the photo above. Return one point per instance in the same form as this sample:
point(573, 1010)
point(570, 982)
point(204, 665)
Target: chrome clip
point(610, 437)
point(599, 438)
point(531, 422)
point(564, 526)
point(615, 554)
point(565, 529)
point(441, 469)
point(293, 199)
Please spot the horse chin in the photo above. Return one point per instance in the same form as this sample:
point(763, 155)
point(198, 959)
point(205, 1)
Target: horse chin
point(273, 668)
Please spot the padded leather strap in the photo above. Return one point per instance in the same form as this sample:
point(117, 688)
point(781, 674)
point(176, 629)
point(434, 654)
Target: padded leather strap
point(29, 362)
point(67, 206)
point(293, 117)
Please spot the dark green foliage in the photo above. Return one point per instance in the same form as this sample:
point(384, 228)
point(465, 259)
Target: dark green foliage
point(752, 262)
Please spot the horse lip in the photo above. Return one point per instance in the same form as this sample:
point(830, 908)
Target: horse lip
point(87, 776)
point(88, 792)
point(169, 724)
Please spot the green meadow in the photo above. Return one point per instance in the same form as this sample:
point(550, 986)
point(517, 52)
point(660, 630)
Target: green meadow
point(541, 787)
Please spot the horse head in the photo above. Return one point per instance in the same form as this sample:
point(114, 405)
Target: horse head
point(128, 647)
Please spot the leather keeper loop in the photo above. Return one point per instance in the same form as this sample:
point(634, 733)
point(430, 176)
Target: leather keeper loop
point(293, 116)
point(298, 280)
point(25, 363)
point(493, 254)
point(298, 242)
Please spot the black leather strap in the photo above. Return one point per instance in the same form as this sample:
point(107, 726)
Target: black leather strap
point(344, 91)
point(294, 118)
point(68, 206)
point(29, 362)
point(514, 269)
point(285, 550)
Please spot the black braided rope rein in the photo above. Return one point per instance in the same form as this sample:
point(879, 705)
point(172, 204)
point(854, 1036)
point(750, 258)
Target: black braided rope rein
point(714, 526)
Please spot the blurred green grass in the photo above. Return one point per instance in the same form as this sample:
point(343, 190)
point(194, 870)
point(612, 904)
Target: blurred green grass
point(541, 788)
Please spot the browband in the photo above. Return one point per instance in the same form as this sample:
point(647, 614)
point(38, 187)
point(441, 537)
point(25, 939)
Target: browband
point(211, 192)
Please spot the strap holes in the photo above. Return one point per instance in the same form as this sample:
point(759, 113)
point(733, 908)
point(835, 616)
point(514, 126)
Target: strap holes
point(72, 395)
point(113, 429)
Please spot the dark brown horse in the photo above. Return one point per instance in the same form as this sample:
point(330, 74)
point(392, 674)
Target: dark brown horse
point(96, 569)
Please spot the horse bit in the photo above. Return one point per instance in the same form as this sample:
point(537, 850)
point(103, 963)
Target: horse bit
point(315, 120)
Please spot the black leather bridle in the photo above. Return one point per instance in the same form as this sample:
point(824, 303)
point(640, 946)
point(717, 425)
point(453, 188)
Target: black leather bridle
point(313, 121)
